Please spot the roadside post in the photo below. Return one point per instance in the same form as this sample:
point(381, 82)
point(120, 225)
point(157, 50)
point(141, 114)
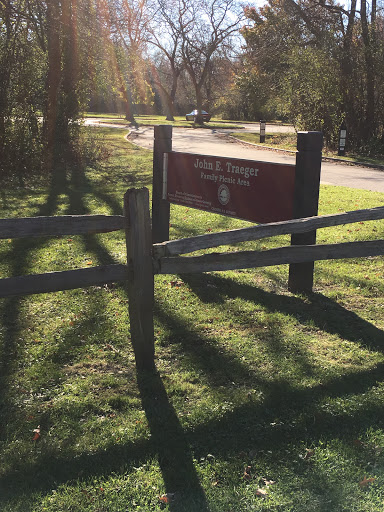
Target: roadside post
point(306, 199)
point(160, 207)
point(262, 130)
point(342, 139)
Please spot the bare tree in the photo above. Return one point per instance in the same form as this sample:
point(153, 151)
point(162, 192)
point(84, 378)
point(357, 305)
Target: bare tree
point(165, 35)
point(196, 32)
point(206, 28)
point(130, 24)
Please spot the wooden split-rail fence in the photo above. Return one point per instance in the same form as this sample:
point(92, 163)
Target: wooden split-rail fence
point(146, 259)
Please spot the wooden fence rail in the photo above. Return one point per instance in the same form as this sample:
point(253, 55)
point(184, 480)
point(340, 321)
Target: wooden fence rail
point(59, 226)
point(278, 256)
point(141, 332)
point(165, 261)
point(145, 259)
point(196, 243)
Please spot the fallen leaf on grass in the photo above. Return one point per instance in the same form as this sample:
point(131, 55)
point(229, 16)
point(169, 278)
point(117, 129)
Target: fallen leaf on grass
point(108, 346)
point(36, 432)
point(308, 454)
point(262, 493)
point(176, 284)
point(247, 473)
point(366, 481)
point(167, 498)
point(268, 482)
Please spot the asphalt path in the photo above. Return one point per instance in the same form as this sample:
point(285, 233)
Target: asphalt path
point(203, 141)
point(214, 142)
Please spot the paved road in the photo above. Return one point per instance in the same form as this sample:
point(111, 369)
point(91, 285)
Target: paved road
point(215, 142)
point(206, 142)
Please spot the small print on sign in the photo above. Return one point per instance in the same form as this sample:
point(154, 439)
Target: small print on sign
point(254, 191)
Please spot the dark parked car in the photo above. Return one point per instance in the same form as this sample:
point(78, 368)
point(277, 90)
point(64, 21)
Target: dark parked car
point(192, 116)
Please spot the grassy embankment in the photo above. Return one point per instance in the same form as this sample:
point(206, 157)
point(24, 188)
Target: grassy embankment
point(264, 400)
point(288, 141)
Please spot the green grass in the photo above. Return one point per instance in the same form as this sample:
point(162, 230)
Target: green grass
point(288, 141)
point(255, 384)
point(180, 121)
point(104, 115)
point(280, 140)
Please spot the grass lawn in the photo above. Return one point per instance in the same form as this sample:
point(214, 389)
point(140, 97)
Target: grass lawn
point(180, 121)
point(263, 401)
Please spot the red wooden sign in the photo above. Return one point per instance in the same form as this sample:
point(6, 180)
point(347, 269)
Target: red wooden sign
point(255, 191)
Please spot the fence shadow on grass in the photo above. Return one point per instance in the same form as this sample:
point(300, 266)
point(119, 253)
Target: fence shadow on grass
point(202, 352)
point(249, 427)
point(317, 309)
point(174, 454)
point(253, 420)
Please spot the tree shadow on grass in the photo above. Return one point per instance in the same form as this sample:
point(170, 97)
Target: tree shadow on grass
point(289, 416)
point(219, 368)
point(168, 439)
point(298, 408)
point(11, 307)
point(73, 185)
point(250, 427)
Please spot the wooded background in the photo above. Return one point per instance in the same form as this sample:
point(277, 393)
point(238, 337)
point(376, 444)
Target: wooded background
point(314, 63)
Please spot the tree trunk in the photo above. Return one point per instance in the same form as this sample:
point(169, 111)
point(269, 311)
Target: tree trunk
point(5, 75)
point(172, 95)
point(348, 83)
point(53, 82)
point(370, 125)
point(166, 100)
point(199, 105)
point(70, 104)
point(127, 103)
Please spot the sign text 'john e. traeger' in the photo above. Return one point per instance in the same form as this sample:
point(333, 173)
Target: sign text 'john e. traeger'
point(255, 191)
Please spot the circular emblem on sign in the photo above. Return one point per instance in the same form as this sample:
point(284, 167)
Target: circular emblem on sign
point(223, 194)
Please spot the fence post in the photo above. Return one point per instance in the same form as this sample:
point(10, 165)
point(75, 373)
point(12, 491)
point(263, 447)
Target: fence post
point(160, 207)
point(140, 276)
point(306, 200)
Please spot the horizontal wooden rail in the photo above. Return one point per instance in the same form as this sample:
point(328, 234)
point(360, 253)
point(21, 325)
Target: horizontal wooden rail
point(187, 245)
point(58, 226)
point(65, 280)
point(279, 256)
